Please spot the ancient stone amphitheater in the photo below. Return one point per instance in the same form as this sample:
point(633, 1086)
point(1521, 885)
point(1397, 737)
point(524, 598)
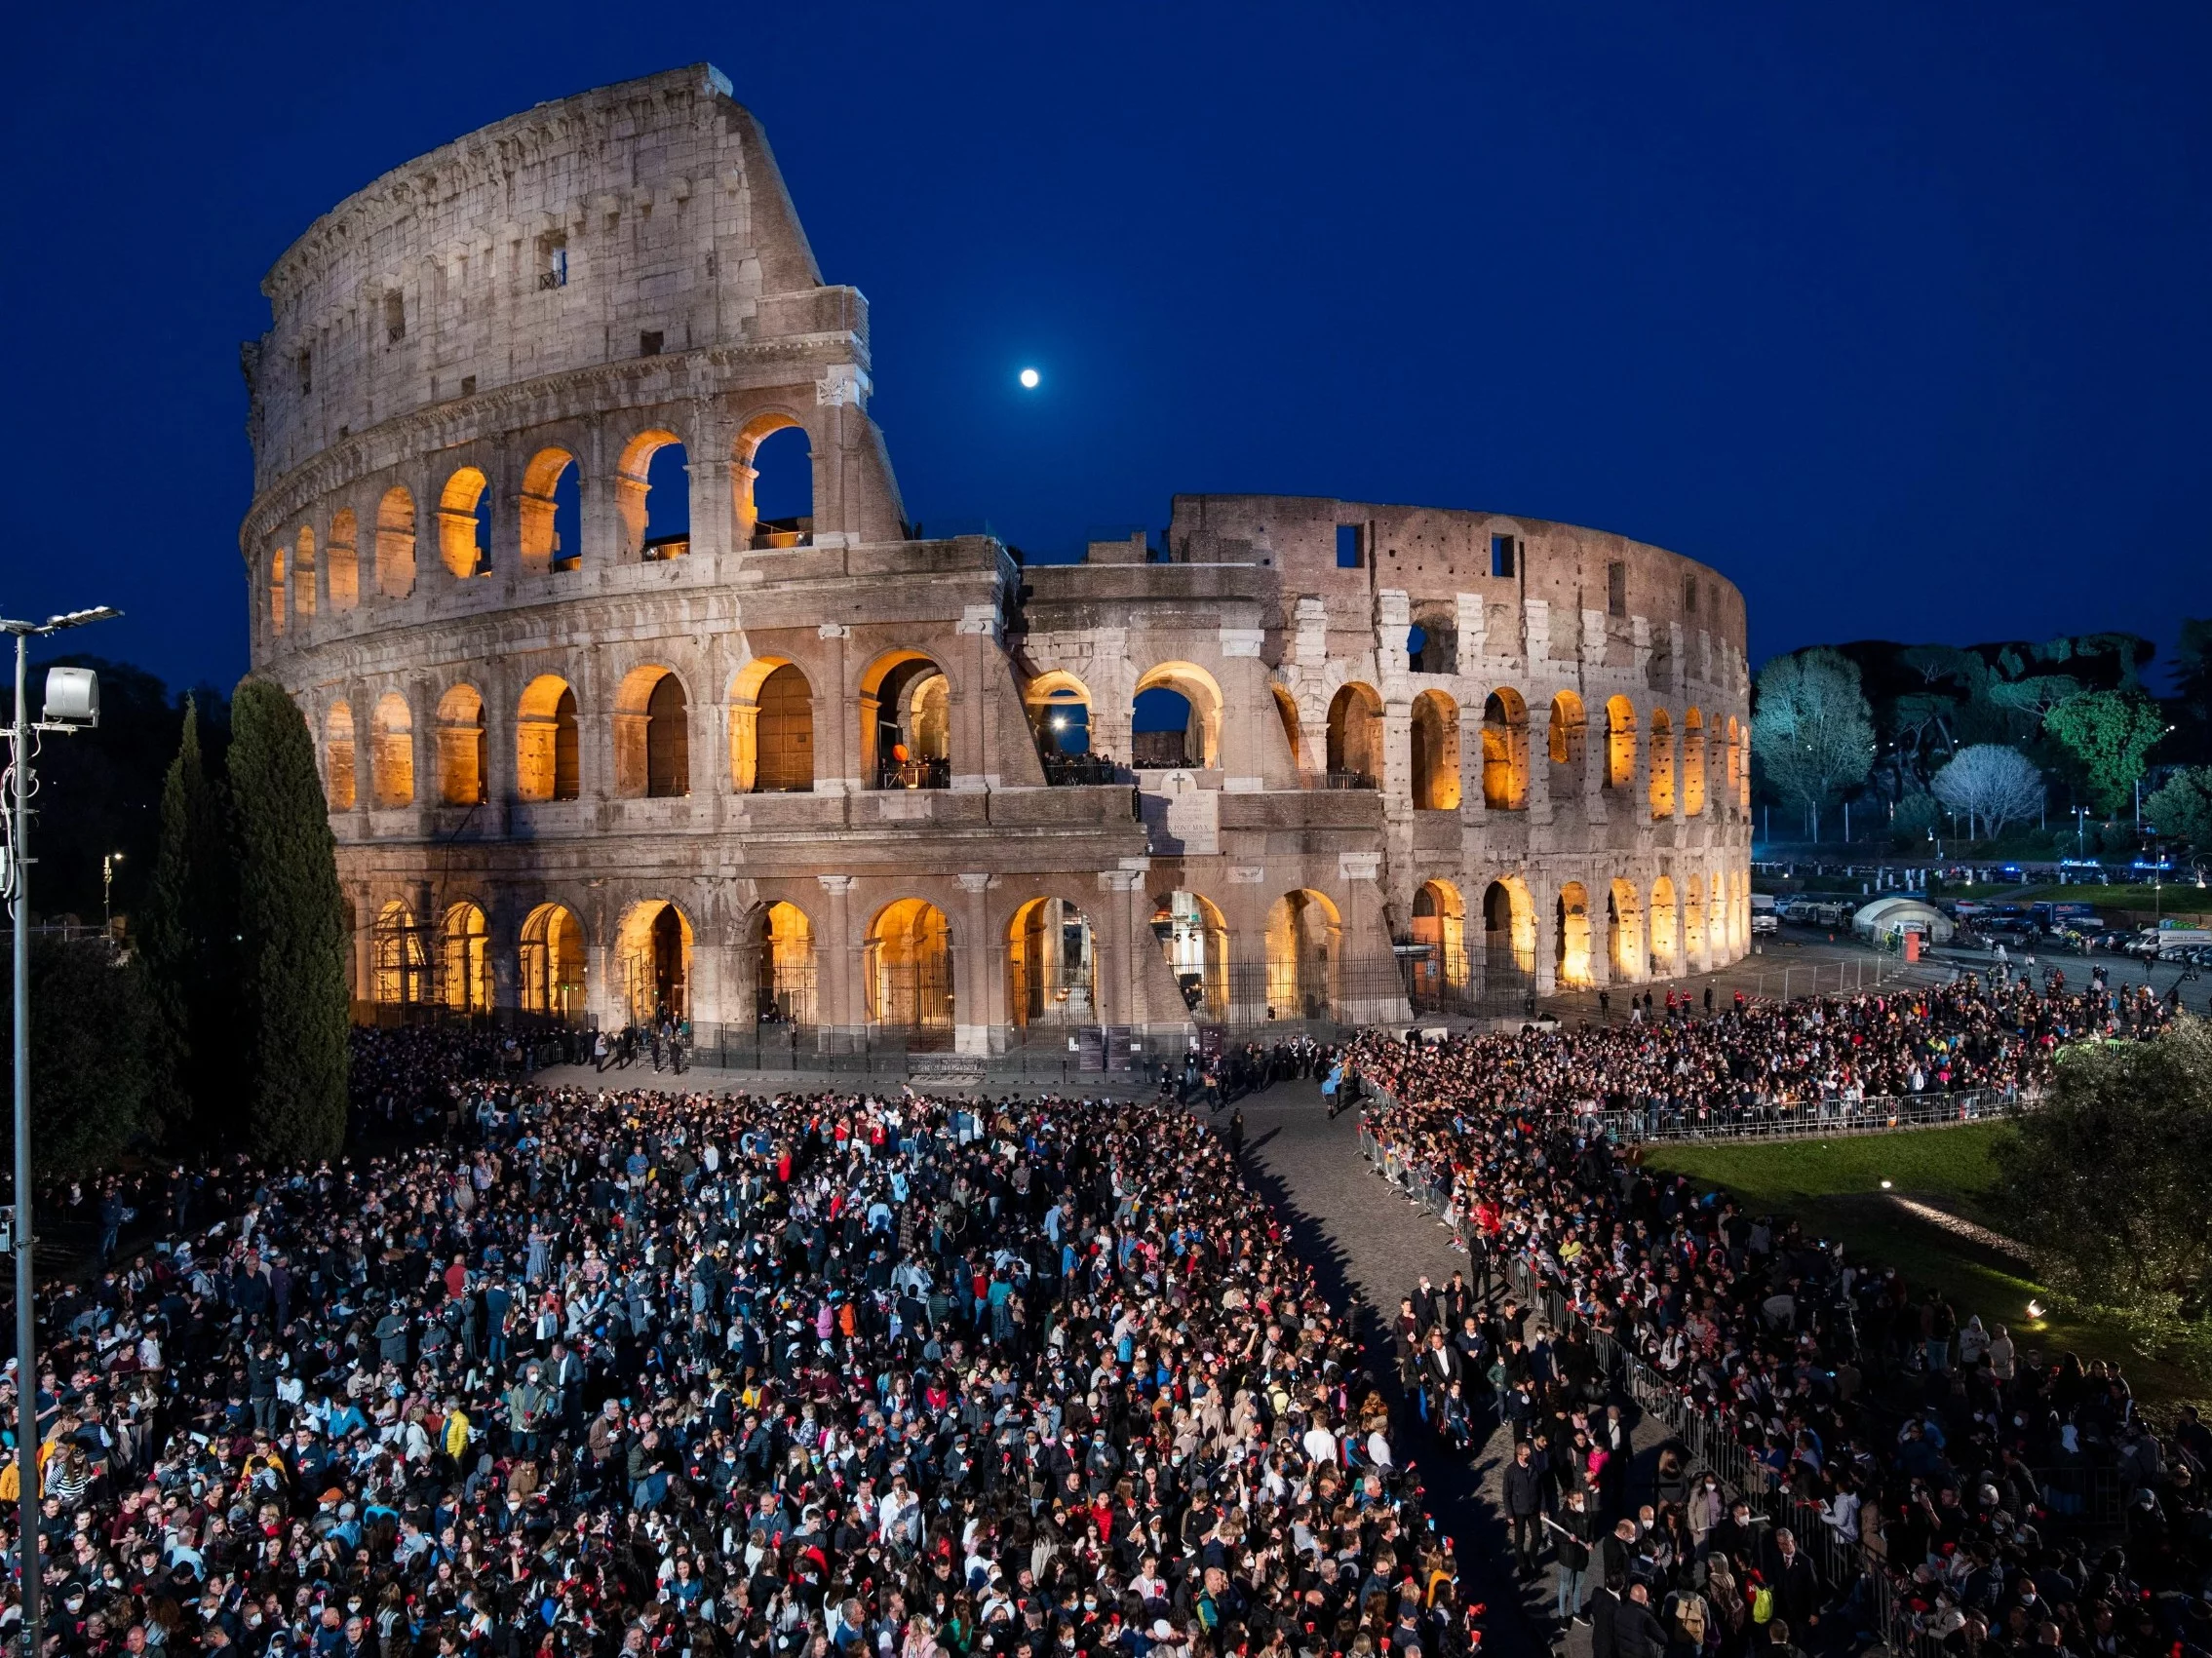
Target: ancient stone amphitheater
point(600, 742)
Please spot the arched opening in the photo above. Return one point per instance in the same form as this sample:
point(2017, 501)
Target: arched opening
point(1566, 741)
point(1302, 941)
point(279, 611)
point(464, 960)
point(906, 723)
point(303, 572)
point(652, 735)
point(786, 984)
point(1505, 751)
point(551, 528)
point(1509, 931)
point(1692, 764)
point(464, 524)
point(1433, 643)
point(1717, 910)
point(1059, 706)
point(909, 968)
point(394, 542)
point(653, 497)
point(461, 747)
point(344, 561)
point(337, 757)
point(1625, 922)
point(1739, 781)
point(1663, 791)
point(1050, 965)
point(653, 957)
point(1571, 937)
point(1176, 718)
point(772, 484)
point(1440, 927)
point(1436, 752)
point(1621, 743)
point(1286, 712)
point(1195, 939)
point(398, 958)
point(392, 756)
point(771, 729)
point(1666, 942)
point(1693, 916)
point(545, 741)
point(551, 963)
point(1355, 738)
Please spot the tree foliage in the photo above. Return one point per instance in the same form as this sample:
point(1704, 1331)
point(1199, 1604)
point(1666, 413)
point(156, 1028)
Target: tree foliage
point(90, 1035)
point(1810, 728)
point(2107, 1185)
point(292, 932)
point(2182, 807)
point(1991, 784)
point(186, 934)
point(2109, 734)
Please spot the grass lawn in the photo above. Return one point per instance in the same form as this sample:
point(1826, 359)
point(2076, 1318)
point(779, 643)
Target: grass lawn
point(1834, 1186)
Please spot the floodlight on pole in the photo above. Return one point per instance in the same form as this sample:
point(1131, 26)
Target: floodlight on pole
point(72, 704)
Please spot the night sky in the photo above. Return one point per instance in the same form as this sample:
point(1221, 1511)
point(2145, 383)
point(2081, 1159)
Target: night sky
point(1896, 315)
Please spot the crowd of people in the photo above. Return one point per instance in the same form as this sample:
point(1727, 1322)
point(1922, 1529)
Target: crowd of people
point(566, 1371)
point(1935, 1462)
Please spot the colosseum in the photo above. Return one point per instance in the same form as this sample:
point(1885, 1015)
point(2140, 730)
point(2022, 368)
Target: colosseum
point(602, 740)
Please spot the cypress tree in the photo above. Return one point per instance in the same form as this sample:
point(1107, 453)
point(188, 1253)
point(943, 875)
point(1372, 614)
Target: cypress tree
point(187, 945)
point(292, 932)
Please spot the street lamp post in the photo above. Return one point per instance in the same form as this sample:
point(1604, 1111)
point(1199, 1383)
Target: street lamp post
point(85, 712)
point(107, 893)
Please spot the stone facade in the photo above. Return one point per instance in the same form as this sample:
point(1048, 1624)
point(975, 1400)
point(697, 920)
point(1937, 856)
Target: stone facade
point(811, 776)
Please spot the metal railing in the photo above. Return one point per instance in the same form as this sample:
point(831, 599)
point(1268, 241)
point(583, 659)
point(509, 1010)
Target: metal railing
point(1808, 1119)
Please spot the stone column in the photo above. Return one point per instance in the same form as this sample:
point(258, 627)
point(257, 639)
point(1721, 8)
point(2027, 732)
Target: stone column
point(837, 720)
point(840, 1005)
point(978, 963)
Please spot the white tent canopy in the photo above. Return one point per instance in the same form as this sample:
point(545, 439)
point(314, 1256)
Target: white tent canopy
point(1886, 917)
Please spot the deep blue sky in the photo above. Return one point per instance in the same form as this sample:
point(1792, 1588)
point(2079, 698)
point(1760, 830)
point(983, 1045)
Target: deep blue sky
point(1895, 313)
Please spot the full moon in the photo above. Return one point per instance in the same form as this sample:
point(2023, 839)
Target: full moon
point(1029, 378)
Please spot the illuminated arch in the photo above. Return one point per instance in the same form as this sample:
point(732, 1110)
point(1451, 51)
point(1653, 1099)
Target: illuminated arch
point(461, 747)
point(1294, 731)
point(1625, 921)
point(338, 773)
point(906, 723)
point(1571, 940)
point(785, 991)
point(652, 958)
point(1621, 743)
point(1666, 939)
point(771, 729)
point(1051, 964)
point(394, 542)
point(1355, 737)
point(391, 760)
point(1202, 693)
point(908, 967)
point(751, 530)
point(460, 543)
point(546, 764)
point(632, 498)
point(1509, 928)
point(398, 958)
point(652, 734)
point(344, 561)
point(1436, 752)
point(1195, 939)
point(1663, 791)
point(1303, 944)
point(1567, 741)
point(1693, 916)
point(1693, 763)
point(1739, 775)
point(1719, 909)
point(552, 961)
point(464, 960)
point(279, 610)
point(303, 572)
point(1440, 926)
point(1059, 706)
point(1506, 751)
point(542, 545)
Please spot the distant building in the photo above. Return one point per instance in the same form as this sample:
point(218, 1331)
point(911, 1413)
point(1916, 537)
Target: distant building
point(599, 740)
